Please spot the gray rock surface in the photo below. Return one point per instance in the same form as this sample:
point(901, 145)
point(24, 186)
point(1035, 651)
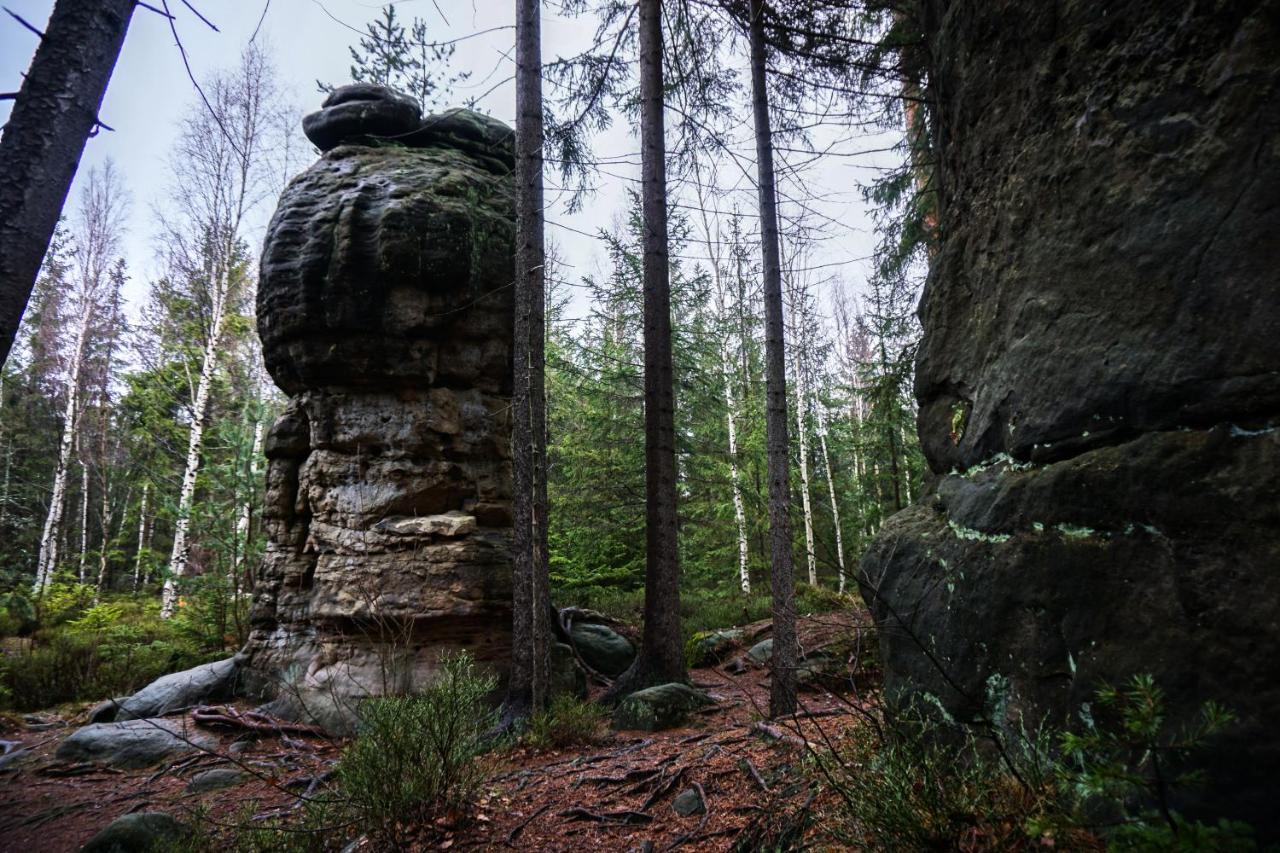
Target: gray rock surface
point(603, 649)
point(688, 803)
point(216, 779)
point(712, 647)
point(662, 707)
point(169, 693)
point(385, 314)
point(1099, 380)
point(141, 832)
point(133, 743)
point(762, 652)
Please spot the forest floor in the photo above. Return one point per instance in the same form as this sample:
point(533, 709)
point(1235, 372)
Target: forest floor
point(614, 795)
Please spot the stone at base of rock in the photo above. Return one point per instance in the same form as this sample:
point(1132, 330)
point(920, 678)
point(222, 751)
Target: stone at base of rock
point(134, 743)
point(179, 690)
point(142, 832)
point(663, 707)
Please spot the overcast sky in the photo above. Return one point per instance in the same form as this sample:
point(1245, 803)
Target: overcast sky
point(309, 41)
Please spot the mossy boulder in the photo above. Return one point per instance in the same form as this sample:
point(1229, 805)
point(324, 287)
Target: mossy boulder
point(663, 707)
point(762, 652)
point(711, 647)
point(604, 649)
point(142, 832)
point(567, 677)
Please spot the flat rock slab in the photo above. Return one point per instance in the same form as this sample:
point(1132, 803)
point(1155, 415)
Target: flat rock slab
point(180, 690)
point(134, 743)
point(663, 707)
point(688, 803)
point(215, 779)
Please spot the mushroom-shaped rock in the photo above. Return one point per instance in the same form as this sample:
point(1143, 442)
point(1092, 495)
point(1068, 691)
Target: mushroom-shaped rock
point(385, 313)
point(362, 113)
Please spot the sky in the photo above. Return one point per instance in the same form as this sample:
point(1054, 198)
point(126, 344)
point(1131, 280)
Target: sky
point(308, 41)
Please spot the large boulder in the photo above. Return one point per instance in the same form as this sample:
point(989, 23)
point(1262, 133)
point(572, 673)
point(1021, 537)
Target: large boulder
point(603, 649)
point(133, 743)
point(385, 313)
point(140, 832)
point(662, 707)
point(178, 690)
point(1099, 380)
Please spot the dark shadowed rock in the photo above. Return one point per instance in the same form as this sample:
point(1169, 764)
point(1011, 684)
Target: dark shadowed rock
point(567, 676)
point(708, 648)
point(1099, 381)
point(663, 707)
point(362, 113)
point(604, 649)
point(169, 693)
point(133, 743)
point(142, 832)
point(688, 803)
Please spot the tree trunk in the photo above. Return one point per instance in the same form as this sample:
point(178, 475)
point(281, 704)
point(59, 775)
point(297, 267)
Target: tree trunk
point(782, 690)
point(142, 536)
point(47, 560)
point(661, 657)
point(55, 112)
point(84, 518)
point(805, 496)
point(831, 493)
point(727, 362)
point(195, 442)
point(531, 630)
point(244, 523)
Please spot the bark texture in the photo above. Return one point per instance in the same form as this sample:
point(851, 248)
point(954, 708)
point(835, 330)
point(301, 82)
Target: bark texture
point(531, 630)
point(54, 114)
point(661, 657)
point(782, 689)
point(385, 312)
point(1099, 381)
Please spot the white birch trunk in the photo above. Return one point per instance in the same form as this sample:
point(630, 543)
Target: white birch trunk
point(142, 536)
point(804, 476)
point(195, 442)
point(831, 492)
point(246, 511)
point(84, 520)
point(47, 561)
point(739, 512)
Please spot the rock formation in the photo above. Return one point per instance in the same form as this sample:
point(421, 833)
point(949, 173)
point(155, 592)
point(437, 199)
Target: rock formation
point(1099, 382)
point(384, 308)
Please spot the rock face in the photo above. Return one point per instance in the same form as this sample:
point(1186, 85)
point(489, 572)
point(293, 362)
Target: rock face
point(384, 308)
point(1099, 382)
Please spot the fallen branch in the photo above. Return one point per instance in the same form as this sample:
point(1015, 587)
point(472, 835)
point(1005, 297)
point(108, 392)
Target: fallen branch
point(664, 788)
point(254, 721)
point(751, 771)
point(640, 775)
point(519, 828)
point(779, 735)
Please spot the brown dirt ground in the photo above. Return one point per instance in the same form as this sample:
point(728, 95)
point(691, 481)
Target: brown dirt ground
point(615, 795)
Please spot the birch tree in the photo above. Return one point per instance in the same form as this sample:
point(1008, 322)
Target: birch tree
point(97, 234)
point(220, 173)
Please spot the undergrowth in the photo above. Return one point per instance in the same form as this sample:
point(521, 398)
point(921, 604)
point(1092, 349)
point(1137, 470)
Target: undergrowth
point(914, 783)
point(568, 721)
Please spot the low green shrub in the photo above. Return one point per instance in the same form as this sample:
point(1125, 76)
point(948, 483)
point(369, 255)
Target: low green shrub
point(94, 652)
point(567, 722)
point(417, 758)
point(914, 783)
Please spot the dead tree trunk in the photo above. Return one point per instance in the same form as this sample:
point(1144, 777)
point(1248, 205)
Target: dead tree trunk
point(54, 113)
